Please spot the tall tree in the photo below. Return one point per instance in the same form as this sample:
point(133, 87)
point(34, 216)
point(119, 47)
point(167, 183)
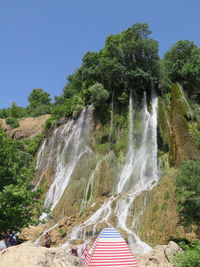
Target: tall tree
point(16, 198)
point(182, 64)
point(39, 102)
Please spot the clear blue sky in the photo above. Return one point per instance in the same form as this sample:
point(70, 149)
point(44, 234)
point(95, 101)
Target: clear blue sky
point(42, 41)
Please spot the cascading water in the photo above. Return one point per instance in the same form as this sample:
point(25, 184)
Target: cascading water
point(112, 117)
point(68, 144)
point(139, 174)
point(128, 167)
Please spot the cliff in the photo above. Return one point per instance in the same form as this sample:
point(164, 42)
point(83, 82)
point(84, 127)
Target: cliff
point(29, 127)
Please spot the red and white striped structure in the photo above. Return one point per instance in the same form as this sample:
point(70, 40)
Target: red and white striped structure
point(110, 249)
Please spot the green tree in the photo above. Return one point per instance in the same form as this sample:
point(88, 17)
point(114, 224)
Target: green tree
point(9, 168)
point(16, 198)
point(39, 102)
point(129, 61)
point(13, 110)
point(182, 64)
point(188, 192)
point(16, 207)
point(97, 95)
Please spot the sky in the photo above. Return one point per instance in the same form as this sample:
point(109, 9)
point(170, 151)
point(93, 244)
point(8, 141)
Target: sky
point(43, 41)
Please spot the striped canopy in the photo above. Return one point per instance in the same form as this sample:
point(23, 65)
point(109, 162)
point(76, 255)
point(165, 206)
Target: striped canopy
point(110, 249)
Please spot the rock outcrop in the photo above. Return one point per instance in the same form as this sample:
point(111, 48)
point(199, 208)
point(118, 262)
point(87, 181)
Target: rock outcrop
point(27, 255)
point(29, 127)
point(161, 256)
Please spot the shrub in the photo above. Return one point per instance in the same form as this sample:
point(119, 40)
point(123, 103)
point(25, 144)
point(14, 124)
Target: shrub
point(98, 95)
point(49, 123)
point(190, 257)
point(33, 144)
point(14, 123)
point(188, 192)
point(62, 232)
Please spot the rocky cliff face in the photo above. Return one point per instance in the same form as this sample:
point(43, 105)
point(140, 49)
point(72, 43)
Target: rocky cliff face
point(29, 127)
point(80, 172)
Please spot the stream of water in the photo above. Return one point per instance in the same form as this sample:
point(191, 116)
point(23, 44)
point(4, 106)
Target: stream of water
point(139, 172)
point(138, 175)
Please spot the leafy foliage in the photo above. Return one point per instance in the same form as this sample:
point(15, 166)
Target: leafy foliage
point(129, 61)
point(16, 204)
point(98, 95)
point(14, 111)
point(190, 257)
point(16, 198)
point(39, 102)
point(188, 192)
point(12, 122)
point(33, 143)
point(182, 64)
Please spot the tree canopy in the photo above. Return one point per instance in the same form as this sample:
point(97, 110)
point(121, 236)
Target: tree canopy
point(182, 64)
point(39, 102)
point(188, 192)
point(16, 198)
point(128, 61)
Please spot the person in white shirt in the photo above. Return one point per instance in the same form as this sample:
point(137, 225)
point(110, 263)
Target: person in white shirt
point(3, 244)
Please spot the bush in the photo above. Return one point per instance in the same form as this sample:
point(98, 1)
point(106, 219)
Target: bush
point(12, 122)
point(62, 233)
point(33, 144)
point(49, 123)
point(63, 110)
point(40, 110)
point(98, 95)
point(190, 257)
point(188, 192)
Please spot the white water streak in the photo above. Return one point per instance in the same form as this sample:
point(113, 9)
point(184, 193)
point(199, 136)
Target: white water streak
point(138, 175)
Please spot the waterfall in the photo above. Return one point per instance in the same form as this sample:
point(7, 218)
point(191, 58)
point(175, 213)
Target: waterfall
point(71, 142)
point(128, 167)
point(112, 117)
point(138, 175)
point(68, 144)
point(140, 168)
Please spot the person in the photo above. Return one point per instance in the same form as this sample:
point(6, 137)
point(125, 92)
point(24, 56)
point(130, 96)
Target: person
point(11, 239)
point(74, 251)
point(84, 252)
point(3, 243)
point(47, 241)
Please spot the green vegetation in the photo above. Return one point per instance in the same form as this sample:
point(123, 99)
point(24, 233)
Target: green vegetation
point(14, 111)
point(129, 61)
point(33, 144)
point(188, 192)
point(14, 123)
point(190, 257)
point(182, 64)
point(16, 198)
point(39, 103)
point(62, 233)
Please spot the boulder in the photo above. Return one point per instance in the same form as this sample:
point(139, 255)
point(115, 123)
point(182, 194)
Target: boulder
point(27, 255)
point(160, 256)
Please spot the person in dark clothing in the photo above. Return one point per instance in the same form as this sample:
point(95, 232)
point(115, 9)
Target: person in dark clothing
point(11, 239)
point(47, 241)
point(74, 251)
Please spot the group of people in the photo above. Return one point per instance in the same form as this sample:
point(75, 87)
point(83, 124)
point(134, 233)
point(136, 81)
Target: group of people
point(84, 251)
point(9, 240)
